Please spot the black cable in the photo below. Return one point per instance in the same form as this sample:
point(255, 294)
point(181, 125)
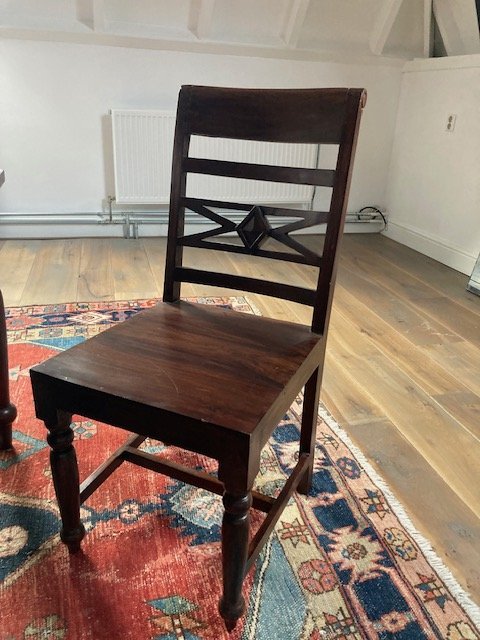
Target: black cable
point(375, 210)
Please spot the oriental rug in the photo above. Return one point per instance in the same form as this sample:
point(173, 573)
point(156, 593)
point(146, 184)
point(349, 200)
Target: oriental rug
point(342, 564)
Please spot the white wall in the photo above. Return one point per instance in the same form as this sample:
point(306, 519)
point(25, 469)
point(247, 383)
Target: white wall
point(55, 142)
point(433, 197)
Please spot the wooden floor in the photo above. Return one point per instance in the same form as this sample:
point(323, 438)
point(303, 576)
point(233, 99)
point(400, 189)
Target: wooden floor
point(403, 365)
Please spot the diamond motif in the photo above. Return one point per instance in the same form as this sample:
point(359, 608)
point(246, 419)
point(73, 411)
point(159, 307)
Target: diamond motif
point(90, 317)
point(254, 228)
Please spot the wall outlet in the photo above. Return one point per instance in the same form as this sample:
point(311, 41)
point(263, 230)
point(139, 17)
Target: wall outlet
point(451, 119)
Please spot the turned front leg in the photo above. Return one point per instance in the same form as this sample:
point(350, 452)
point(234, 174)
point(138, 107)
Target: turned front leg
point(235, 539)
point(63, 462)
point(8, 412)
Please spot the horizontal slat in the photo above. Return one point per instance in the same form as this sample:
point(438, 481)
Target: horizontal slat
point(242, 283)
point(195, 241)
point(269, 173)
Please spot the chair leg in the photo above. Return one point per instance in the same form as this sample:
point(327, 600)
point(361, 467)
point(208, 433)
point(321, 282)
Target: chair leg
point(8, 412)
point(63, 462)
point(235, 539)
point(309, 427)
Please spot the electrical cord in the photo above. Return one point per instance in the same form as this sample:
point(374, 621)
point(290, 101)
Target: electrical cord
point(371, 210)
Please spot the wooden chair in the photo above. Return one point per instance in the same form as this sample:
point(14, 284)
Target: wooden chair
point(212, 380)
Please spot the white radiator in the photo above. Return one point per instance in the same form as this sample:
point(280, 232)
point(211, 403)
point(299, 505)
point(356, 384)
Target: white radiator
point(142, 148)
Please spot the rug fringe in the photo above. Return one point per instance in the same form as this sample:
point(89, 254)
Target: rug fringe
point(459, 593)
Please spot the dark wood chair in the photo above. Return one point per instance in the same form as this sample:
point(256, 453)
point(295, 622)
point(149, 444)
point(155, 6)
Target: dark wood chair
point(8, 412)
point(207, 379)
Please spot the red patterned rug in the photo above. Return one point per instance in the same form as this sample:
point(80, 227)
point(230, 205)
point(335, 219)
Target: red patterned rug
point(343, 564)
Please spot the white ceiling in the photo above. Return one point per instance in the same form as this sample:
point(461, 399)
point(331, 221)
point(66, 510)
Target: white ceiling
point(312, 29)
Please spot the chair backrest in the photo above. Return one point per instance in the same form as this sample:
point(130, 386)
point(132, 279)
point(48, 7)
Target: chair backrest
point(312, 116)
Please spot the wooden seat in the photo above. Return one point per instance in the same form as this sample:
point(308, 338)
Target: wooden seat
point(209, 379)
point(210, 346)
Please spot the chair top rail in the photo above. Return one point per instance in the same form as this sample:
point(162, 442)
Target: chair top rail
point(276, 115)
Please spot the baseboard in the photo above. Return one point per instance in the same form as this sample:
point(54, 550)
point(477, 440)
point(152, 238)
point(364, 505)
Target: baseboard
point(432, 246)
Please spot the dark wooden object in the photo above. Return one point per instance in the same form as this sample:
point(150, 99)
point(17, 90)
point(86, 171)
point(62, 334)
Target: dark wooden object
point(8, 412)
point(203, 378)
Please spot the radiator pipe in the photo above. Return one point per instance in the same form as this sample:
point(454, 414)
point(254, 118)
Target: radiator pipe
point(129, 219)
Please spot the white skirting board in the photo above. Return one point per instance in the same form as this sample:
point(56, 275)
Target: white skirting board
point(436, 248)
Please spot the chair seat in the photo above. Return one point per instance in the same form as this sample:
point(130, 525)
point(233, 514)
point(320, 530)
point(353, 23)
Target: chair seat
point(203, 362)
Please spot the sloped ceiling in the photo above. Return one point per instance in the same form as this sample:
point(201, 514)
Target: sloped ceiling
point(310, 29)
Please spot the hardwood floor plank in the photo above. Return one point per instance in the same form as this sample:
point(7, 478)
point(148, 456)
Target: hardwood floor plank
point(54, 273)
point(452, 529)
point(464, 406)
point(424, 298)
point(401, 315)
point(420, 419)
point(16, 260)
point(347, 401)
point(461, 359)
point(155, 249)
point(132, 275)
point(443, 279)
point(95, 281)
point(428, 374)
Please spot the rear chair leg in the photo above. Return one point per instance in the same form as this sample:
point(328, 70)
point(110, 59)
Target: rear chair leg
point(63, 462)
point(235, 539)
point(309, 427)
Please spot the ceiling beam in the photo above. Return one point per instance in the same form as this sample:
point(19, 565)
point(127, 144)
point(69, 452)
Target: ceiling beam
point(294, 19)
point(448, 27)
point(427, 29)
point(458, 25)
point(111, 39)
point(383, 25)
point(91, 13)
point(200, 18)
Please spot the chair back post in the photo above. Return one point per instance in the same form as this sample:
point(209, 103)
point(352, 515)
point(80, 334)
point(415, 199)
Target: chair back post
point(176, 223)
point(356, 101)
